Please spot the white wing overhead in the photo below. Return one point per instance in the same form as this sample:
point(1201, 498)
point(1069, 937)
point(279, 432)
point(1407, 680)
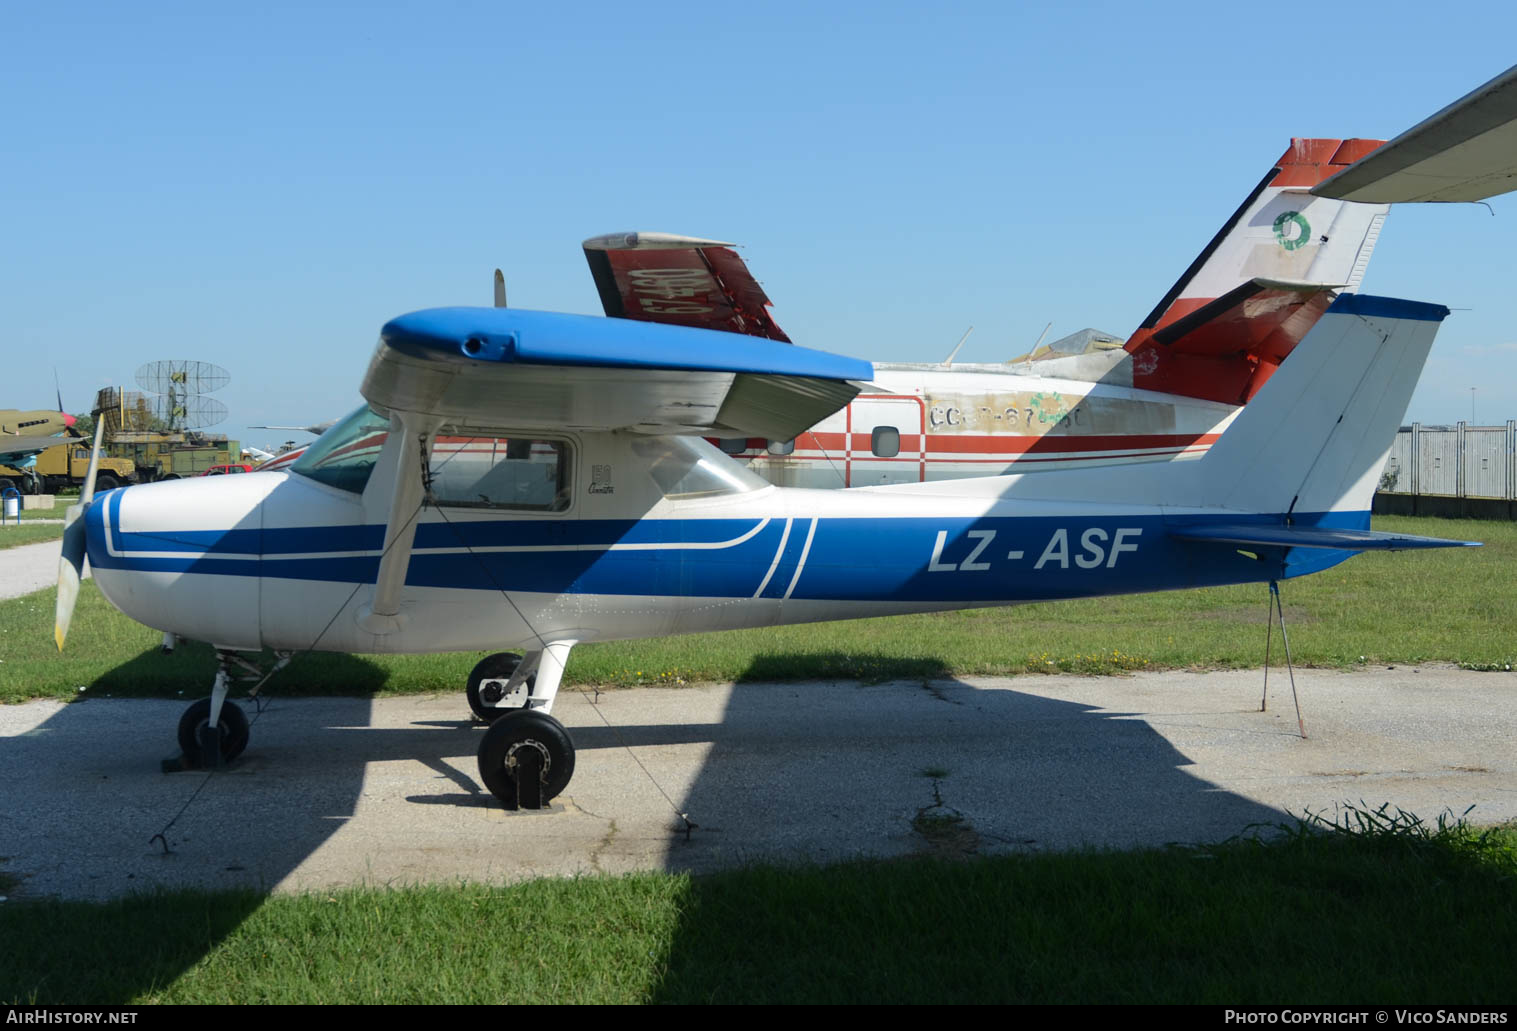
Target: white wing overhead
point(1466, 152)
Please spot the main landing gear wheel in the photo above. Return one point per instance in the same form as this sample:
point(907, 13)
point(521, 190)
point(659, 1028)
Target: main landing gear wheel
point(526, 759)
point(233, 725)
point(482, 700)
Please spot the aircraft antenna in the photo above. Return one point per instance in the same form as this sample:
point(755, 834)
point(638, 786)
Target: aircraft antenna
point(952, 354)
point(500, 289)
point(1037, 343)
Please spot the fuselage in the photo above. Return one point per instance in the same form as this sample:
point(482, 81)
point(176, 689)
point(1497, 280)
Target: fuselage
point(38, 422)
point(624, 550)
point(919, 423)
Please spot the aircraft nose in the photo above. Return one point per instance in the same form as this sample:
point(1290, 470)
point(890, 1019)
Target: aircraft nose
point(184, 555)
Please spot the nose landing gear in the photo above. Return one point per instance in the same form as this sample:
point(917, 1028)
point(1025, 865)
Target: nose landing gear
point(214, 731)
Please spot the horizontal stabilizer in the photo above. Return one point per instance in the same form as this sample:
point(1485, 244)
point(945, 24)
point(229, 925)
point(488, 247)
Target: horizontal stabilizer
point(1466, 152)
point(1226, 349)
point(1248, 316)
point(507, 367)
point(1313, 537)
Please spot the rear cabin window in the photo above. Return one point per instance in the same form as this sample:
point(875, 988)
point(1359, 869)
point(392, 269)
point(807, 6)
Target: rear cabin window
point(885, 441)
point(689, 467)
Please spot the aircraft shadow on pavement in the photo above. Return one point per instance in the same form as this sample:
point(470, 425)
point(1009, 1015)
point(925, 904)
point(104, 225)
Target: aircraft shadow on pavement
point(794, 771)
point(832, 772)
point(193, 666)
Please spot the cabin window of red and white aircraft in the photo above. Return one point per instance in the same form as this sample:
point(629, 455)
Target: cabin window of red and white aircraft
point(781, 447)
point(885, 442)
point(501, 472)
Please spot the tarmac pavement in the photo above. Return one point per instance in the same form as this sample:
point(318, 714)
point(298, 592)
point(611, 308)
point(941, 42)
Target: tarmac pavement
point(31, 567)
point(334, 792)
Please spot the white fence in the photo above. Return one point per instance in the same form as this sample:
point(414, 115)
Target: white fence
point(1451, 470)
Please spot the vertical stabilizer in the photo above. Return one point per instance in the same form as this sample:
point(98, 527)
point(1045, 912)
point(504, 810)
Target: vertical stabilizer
point(1280, 234)
point(1316, 437)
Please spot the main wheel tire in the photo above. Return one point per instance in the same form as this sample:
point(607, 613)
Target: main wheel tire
point(234, 731)
point(518, 729)
point(499, 666)
point(105, 481)
point(31, 484)
point(5, 484)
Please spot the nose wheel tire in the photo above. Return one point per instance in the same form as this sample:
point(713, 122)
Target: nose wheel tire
point(526, 758)
point(482, 700)
point(233, 725)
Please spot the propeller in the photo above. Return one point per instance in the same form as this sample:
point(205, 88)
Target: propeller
point(500, 289)
point(71, 562)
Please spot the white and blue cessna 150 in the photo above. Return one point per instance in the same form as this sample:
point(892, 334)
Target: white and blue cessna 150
point(527, 481)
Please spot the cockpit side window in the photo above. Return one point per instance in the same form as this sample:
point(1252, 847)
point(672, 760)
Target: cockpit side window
point(525, 473)
point(344, 456)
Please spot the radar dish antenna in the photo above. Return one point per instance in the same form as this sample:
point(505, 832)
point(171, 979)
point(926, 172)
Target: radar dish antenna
point(180, 386)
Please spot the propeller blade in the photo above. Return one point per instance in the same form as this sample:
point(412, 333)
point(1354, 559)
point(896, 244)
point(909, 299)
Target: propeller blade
point(70, 569)
point(87, 492)
point(500, 289)
point(71, 559)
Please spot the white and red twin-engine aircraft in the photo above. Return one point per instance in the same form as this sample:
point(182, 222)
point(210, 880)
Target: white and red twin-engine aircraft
point(1303, 235)
point(527, 481)
point(1208, 346)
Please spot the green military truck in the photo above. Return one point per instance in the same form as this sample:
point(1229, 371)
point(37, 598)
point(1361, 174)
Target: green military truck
point(66, 466)
point(163, 459)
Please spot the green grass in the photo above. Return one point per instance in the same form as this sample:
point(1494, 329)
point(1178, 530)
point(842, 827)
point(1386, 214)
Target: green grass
point(1382, 909)
point(13, 536)
point(1454, 605)
point(56, 512)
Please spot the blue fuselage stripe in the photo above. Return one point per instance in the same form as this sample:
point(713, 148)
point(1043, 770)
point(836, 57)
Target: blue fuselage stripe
point(969, 560)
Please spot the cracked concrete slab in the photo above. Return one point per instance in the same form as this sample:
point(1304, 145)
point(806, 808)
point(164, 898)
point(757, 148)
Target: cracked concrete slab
point(334, 792)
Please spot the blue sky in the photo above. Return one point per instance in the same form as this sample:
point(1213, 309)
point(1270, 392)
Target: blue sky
point(263, 186)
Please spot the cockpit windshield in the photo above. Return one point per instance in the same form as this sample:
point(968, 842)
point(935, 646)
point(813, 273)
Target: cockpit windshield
point(344, 456)
point(689, 467)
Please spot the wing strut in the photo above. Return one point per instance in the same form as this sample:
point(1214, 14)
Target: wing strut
point(382, 615)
